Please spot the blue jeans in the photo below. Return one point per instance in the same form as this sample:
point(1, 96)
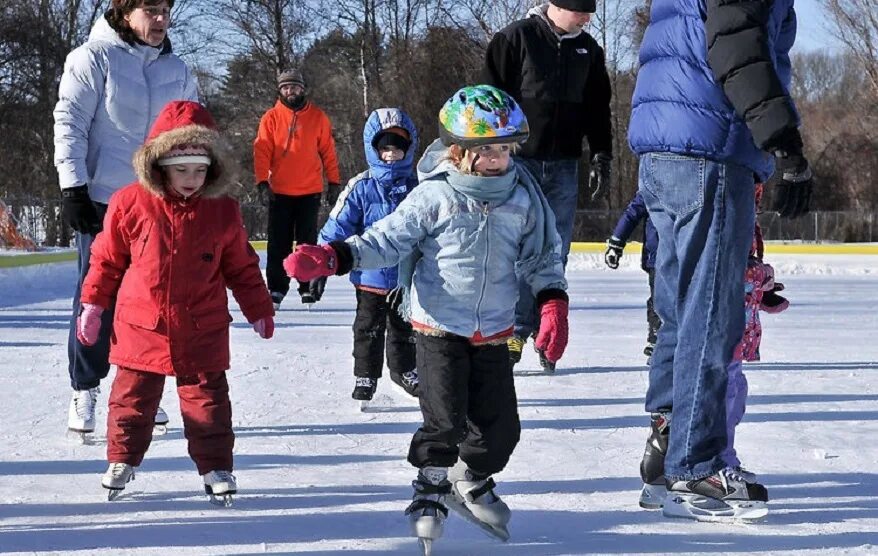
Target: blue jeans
point(704, 214)
point(560, 184)
point(88, 365)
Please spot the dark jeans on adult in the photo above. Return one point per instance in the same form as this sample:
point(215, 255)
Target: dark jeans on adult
point(468, 402)
point(704, 214)
point(560, 184)
point(290, 219)
point(88, 365)
point(652, 319)
point(376, 319)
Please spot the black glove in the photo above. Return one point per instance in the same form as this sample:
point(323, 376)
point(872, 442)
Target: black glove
point(266, 195)
point(794, 188)
point(316, 287)
point(599, 174)
point(332, 193)
point(613, 254)
point(79, 211)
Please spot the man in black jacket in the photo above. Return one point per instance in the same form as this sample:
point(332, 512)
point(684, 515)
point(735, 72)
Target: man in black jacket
point(558, 74)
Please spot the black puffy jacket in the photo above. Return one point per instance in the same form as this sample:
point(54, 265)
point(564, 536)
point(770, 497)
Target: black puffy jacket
point(561, 83)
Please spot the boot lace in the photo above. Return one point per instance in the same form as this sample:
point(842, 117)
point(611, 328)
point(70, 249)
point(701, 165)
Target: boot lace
point(85, 401)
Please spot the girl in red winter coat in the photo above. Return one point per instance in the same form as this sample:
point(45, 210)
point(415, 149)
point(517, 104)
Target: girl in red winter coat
point(171, 245)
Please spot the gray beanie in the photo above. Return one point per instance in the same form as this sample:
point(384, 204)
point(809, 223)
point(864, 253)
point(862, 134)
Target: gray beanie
point(292, 76)
point(588, 6)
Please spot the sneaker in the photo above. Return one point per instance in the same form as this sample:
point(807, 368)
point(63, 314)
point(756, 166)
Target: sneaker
point(116, 477)
point(220, 483)
point(161, 418)
point(476, 493)
point(427, 512)
point(723, 496)
point(515, 345)
point(408, 381)
point(81, 412)
point(276, 299)
point(364, 388)
point(652, 466)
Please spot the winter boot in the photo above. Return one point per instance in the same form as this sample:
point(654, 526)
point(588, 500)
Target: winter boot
point(117, 476)
point(652, 467)
point(220, 486)
point(365, 388)
point(723, 496)
point(515, 345)
point(408, 381)
point(81, 412)
point(427, 512)
point(474, 494)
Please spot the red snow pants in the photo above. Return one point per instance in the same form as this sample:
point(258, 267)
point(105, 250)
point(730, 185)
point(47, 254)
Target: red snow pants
point(204, 403)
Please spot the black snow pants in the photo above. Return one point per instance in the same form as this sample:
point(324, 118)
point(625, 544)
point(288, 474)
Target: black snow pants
point(376, 318)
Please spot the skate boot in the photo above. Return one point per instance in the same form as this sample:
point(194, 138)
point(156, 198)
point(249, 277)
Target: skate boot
point(427, 512)
point(161, 422)
point(220, 486)
point(652, 467)
point(473, 497)
point(81, 414)
point(723, 496)
point(408, 381)
point(748, 476)
point(308, 299)
point(515, 345)
point(117, 476)
point(276, 299)
point(364, 390)
point(548, 366)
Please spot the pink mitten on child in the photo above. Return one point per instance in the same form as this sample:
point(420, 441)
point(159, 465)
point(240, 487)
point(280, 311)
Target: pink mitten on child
point(310, 262)
point(88, 324)
point(552, 338)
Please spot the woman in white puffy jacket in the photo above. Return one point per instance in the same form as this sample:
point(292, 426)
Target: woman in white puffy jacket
point(112, 89)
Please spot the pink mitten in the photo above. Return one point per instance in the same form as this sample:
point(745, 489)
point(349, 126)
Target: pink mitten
point(310, 262)
point(552, 338)
point(88, 324)
point(264, 327)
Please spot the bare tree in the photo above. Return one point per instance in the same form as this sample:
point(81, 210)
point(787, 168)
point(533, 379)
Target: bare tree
point(856, 26)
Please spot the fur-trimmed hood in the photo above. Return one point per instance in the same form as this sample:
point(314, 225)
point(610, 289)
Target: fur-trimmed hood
point(181, 123)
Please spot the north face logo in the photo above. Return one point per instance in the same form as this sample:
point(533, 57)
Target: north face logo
point(582, 51)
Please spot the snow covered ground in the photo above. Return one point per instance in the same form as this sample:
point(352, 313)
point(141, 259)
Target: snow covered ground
point(319, 477)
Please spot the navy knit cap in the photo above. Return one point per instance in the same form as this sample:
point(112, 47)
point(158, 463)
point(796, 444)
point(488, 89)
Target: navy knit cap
point(392, 137)
point(588, 6)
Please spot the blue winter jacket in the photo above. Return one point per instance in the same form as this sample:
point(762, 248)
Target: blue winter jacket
point(679, 107)
point(634, 213)
point(465, 280)
point(373, 194)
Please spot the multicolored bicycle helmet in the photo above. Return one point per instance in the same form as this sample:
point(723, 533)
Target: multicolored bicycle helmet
point(480, 115)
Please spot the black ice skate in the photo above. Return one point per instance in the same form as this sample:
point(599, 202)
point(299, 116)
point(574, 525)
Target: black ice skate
point(364, 390)
point(473, 498)
point(220, 486)
point(548, 366)
point(408, 381)
point(276, 299)
point(427, 512)
point(652, 467)
point(723, 496)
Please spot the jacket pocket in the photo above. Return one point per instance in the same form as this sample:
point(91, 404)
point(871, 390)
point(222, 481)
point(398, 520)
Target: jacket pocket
point(138, 315)
point(211, 320)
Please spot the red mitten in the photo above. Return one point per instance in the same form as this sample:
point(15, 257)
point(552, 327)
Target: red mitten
point(88, 324)
point(552, 338)
point(310, 262)
point(264, 327)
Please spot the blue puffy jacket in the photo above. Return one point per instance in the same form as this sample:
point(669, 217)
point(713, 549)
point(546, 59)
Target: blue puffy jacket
point(678, 104)
point(373, 194)
point(634, 213)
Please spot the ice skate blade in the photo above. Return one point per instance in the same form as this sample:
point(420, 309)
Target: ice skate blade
point(426, 546)
point(114, 493)
point(364, 405)
point(427, 527)
point(85, 438)
point(221, 500)
point(499, 533)
point(159, 430)
point(652, 497)
point(702, 508)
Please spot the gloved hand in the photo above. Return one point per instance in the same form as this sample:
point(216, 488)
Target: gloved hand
point(333, 190)
point(316, 287)
point(78, 210)
point(615, 248)
point(266, 195)
point(793, 195)
point(552, 338)
point(88, 324)
point(599, 174)
point(309, 262)
point(264, 327)
point(773, 303)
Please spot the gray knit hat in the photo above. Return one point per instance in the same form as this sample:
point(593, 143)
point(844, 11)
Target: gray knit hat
point(292, 76)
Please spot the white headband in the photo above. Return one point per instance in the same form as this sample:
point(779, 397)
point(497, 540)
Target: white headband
point(184, 159)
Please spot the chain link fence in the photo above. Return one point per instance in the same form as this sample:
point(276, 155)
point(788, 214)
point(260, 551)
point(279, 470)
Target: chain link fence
point(41, 220)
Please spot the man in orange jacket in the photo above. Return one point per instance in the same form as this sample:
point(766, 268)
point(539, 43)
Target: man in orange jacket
point(292, 152)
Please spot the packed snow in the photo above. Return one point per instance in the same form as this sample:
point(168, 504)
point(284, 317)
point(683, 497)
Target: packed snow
point(318, 476)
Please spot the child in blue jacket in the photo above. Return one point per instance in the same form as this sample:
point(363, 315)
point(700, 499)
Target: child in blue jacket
point(390, 140)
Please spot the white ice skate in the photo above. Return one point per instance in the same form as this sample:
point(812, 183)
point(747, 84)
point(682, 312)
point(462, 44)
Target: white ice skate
point(161, 422)
point(427, 512)
point(473, 498)
point(722, 497)
point(81, 414)
point(117, 476)
point(220, 486)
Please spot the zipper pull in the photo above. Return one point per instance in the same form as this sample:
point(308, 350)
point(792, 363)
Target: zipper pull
point(485, 208)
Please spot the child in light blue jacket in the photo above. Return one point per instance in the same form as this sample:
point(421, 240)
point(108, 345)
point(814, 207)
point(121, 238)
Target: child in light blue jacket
point(474, 225)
